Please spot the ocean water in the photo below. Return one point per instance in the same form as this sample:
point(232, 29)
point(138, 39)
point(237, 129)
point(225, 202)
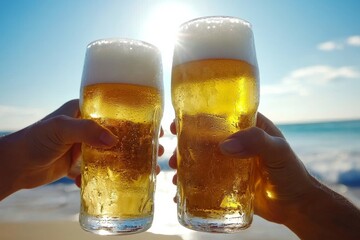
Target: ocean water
point(329, 150)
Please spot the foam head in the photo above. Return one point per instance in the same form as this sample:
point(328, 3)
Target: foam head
point(122, 61)
point(215, 37)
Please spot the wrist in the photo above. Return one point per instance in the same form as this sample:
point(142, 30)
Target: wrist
point(11, 149)
point(324, 214)
point(306, 216)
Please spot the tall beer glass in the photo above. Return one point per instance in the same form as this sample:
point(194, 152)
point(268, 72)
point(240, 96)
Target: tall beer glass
point(215, 93)
point(122, 90)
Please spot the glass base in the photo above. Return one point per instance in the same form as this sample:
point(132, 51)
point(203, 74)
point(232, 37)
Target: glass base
point(114, 226)
point(229, 224)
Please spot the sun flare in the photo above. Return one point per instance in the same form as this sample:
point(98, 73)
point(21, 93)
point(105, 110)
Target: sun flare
point(163, 24)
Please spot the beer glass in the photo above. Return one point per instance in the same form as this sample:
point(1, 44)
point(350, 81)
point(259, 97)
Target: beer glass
point(215, 93)
point(122, 90)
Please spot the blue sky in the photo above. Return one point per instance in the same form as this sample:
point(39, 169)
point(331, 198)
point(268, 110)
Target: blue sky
point(308, 51)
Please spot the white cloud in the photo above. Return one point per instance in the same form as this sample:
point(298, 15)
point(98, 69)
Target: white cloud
point(329, 46)
point(353, 41)
point(283, 88)
point(14, 118)
point(321, 74)
point(301, 81)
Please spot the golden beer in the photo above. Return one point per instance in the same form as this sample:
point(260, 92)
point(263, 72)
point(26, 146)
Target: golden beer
point(213, 97)
point(117, 184)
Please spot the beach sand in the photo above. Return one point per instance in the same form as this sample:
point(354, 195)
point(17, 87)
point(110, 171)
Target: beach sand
point(56, 230)
point(51, 212)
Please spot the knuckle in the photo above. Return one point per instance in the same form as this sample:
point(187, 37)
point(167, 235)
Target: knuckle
point(70, 104)
point(282, 144)
point(260, 136)
point(89, 124)
point(282, 149)
point(59, 120)
point(57, 125)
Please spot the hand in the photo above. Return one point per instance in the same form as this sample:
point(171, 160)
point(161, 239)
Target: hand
point(49, 149)
point(282, 183)
point(281, 179)
point(285, 192)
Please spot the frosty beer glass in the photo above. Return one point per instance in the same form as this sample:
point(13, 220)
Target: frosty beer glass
point(122, 90)
point(215, 93)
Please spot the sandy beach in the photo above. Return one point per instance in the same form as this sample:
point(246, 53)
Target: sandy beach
point(51, 212)
point(56, 230)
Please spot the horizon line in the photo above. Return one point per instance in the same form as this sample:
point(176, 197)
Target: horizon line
point(277, 123)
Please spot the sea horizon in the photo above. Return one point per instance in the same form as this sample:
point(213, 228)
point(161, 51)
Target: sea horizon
point(278, 123)
point(315, 121)
point(329, 149)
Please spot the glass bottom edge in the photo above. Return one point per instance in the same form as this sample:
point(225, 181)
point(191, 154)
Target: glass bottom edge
point(114, 226)
point(228, 225)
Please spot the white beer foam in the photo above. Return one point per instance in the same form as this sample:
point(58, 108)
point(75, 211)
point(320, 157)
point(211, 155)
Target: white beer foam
point(215, 38)
point(122, 61)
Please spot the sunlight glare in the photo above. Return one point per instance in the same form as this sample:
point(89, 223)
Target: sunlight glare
point(163, 24)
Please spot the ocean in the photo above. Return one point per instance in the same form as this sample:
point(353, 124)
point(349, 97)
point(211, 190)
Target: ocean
point(329, 150)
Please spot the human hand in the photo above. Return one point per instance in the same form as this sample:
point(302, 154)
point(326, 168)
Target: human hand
point(286, 193)
point(282, 181)
point(49, 149)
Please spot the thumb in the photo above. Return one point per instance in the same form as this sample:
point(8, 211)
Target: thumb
point(64, 130)
point(256, 142)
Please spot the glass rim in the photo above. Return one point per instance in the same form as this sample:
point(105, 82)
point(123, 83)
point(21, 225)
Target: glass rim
point(201, 19)
point(138, 42)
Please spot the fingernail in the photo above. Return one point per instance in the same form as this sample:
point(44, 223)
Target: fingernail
point(232, 146)
point(108, 139)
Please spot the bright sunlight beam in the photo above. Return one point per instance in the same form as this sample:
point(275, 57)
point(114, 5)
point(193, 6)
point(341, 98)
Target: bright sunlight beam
point(162, 26)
